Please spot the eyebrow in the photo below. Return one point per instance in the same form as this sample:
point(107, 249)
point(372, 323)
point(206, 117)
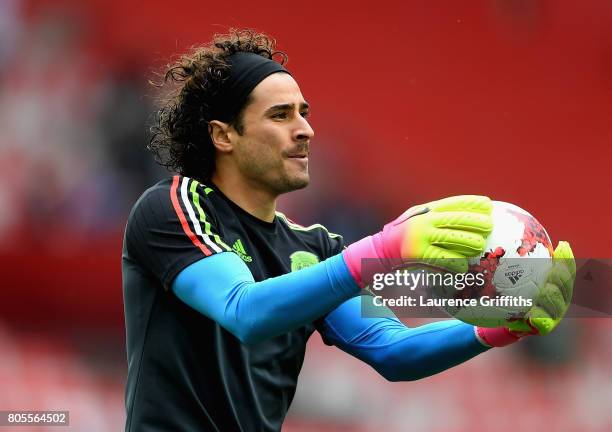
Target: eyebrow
point(287, 106)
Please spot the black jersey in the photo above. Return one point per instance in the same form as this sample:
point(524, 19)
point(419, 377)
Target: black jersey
point(185, 372)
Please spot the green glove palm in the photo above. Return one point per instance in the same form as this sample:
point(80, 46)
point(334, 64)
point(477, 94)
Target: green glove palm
point(440, 234)
point(443, 233)
point(554, 298)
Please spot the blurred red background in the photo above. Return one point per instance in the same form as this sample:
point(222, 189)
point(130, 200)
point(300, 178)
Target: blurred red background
point(411, 101)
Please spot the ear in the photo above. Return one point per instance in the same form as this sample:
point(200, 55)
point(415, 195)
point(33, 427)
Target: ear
point(220, 135)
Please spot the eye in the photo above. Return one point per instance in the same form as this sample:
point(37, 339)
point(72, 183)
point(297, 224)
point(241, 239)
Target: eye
point(279, 115)
point(305, 114)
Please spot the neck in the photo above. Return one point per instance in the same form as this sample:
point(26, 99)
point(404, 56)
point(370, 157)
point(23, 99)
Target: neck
point(250, 198)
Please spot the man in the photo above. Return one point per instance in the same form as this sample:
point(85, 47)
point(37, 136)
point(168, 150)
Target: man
point(222, 291)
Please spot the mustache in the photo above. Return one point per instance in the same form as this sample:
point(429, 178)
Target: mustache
point(303, 148)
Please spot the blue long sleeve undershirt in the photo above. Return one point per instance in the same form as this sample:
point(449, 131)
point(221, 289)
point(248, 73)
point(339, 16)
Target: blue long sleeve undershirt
point(398, 352)
point(222, 288)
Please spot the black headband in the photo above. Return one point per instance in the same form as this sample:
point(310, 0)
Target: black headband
point(246, 71)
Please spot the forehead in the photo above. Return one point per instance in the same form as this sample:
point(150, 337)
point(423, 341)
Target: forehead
point(278, 88)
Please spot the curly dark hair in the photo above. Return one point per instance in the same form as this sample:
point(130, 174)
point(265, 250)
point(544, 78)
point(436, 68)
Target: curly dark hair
point(180, 138)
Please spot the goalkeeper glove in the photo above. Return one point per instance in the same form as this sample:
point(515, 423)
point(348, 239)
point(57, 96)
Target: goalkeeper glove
point(440, 233)
point(552, 302)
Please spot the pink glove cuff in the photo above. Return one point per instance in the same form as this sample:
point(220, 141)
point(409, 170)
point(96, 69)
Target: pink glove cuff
point(496, 337)
point(382, 246)
point(369, 247)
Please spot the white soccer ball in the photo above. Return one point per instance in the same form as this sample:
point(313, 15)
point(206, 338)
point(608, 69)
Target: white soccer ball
point(514, 267)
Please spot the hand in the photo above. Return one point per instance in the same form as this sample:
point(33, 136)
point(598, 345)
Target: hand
point(554, 298)
point(550, 305)
point(440, 233)
point(449, 229)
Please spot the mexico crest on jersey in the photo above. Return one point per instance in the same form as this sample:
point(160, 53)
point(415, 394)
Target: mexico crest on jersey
point(302, 259)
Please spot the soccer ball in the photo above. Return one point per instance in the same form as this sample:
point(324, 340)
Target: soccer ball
point(509, 274)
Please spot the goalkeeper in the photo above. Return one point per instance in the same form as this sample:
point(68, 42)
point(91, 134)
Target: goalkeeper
point(221, 292)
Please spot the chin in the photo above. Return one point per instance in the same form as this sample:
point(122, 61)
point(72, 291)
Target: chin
point(294, 183)
point(302, 183)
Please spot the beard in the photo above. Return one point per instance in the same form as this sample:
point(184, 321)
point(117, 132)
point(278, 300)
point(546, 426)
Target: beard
point(272, 174)
point(290, 184)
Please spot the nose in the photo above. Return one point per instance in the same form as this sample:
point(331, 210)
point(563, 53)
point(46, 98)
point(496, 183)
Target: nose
point(303, 131)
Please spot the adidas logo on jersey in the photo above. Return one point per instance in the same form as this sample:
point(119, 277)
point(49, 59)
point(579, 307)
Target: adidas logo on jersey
point(238, 247)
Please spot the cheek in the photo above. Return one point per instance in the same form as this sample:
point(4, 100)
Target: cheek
point(274, 140)
point(267, 145)
point(259, 157)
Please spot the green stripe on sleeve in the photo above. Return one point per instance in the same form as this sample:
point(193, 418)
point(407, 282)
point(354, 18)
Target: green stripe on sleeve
point(196, 202)
point(296, 227)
